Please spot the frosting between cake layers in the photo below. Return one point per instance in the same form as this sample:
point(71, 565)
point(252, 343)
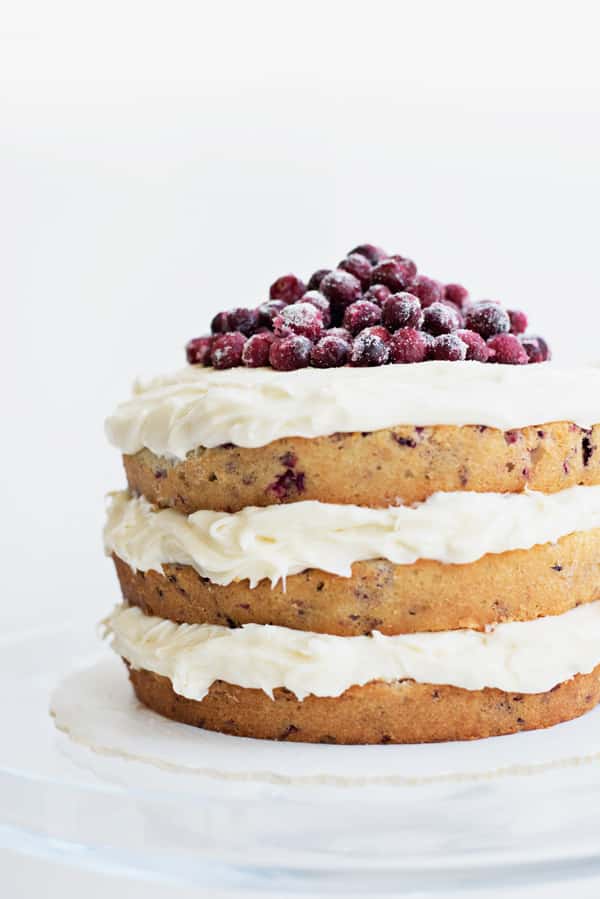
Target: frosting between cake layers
point(201, 407)
point(277, 541)
point(524, 657)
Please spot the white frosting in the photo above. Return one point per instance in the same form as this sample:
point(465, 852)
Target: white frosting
point(277, 541)
point(198, 406)
point(525, 657)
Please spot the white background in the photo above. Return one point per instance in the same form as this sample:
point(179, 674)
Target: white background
point(159, 161)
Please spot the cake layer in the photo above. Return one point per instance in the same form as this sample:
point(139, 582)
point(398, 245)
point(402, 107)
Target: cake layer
point(524, 657)
point(377, 469)
point(404, 712)
point(427, 596)
point(198, 406)
point(278, 541)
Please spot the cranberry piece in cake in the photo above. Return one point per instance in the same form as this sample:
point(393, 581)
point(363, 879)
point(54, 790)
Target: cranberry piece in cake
point(428, 290)
point(288, 288)
point(377, 293)
point(227, 349)
point(449, 347)
point(256, 350)
point(314, 282)
point(267, 312)
point(402, 310)
point(290, 353)
point(357, 265)
point(507, 350)
point(441, 318)
point(320, 302)
point(536, 348)
point(330, 352)
point(373, 254)
point(360, 315)
point(477, 348)
point(393, 274)
point(457, 294)
point(408, 345)
point(370, 348)
point(518, 321)
point(244, 320)
point(299, 318)
point(198, 350)
point(341, 288)
point(487, 318)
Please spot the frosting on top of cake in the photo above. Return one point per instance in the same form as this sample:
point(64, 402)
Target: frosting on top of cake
point(202, 407)
point(277, 541)
point(524, 656)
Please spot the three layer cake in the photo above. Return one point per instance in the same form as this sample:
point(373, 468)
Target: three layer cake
point(376, 522)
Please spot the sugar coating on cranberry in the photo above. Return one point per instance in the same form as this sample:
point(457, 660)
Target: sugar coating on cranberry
point(408, 345)
point(314, 282)
point(299, 318)
point(477, 348)
point(373, 254)
point(320, 302)
point(330, 352)
point(518, 321)
point(244, 320)
point(377, 293)
point(256, 350)
point(267, 312)
point(487, 318)
point(507, 350)
point(370, 348)
point(198, 350)
point(440, 318)
point(408, 265)
point(341, 288)
point(226, 351)
point(220, 323)
point(428, 290)
point(359, 266)
point(290, 353)
point(392, 273)
point(402, 310)
point(457, 294)
point(342, 333)
point(449, 348)
point(288, 288)
point(360, 315)
point(536, 348)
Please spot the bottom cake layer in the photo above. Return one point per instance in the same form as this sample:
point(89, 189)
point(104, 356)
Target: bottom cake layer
point(399, 712)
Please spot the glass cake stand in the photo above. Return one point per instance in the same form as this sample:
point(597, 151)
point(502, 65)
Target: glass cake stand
point(218, 811)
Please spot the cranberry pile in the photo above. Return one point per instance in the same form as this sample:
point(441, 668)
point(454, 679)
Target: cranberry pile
point(373, 309)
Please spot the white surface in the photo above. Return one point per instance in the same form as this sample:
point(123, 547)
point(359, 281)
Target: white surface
point(156, 165)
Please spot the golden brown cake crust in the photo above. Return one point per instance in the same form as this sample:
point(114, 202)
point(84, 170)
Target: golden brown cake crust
point(402, 712)
point(427, 596)
point(378, 469)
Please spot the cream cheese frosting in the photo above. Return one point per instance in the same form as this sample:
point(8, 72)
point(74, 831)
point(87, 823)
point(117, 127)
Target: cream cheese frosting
point(277, 541)
point(524, 657)
point(201, 407)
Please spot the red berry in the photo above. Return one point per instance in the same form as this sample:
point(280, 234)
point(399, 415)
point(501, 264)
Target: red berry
point(361, 315)
point(227, 349)
point(314, 282)
point(408, 265)
point(377, 293)
point(299, 318)
point(487, 318)
point(449, 347)
point(370, 348)
point(244, 320)
point(441, 318)
point(316, 299)
point(457, 294)
point(330, 352)
point(372, 253)
point(198, 349)
point(507, 350)
point(408, 345)
point(288, 288)
point(342, 333)
point(267, 312)
point(402, 310)
point(477, 348)
point(518, 321)
point(392, 273)
point(220, 323)
point(357, 265)
point(341, 288)
point(536, 348)
point(427, 290)
point(256, 349)
point(290, 353)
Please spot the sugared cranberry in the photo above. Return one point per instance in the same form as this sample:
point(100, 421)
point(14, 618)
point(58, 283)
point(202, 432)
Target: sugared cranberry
point(342, 333)
point(377, 293)
point(314, 282)
point(487, 319)
point(477, 348)
point(330, 352)
point(220, 323)
point(341, 288)
point(392, 273)
point(316, 299)
point(227, 349)
point(361, 315)
point(357, 265)
point(518, 321)
point(256, 349)
point(299, 318)
point(440, 318)
point(407, 264)
point(267, 312)
point(402, 310)
point(288, 288)
point(449, 347)
point(290, 353)
point(378, 331)
point(370, 348)
point(427, 290)
point(536, 348)
point(198, 349)
point(457, 312)
point(373, 254)
point(457, 294)
point(244, 320)
point(408, 345)
point(507, 350)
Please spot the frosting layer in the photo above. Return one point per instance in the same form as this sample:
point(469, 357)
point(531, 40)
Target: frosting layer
point(524, 657)
point(276, 541)
point(201, 407)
